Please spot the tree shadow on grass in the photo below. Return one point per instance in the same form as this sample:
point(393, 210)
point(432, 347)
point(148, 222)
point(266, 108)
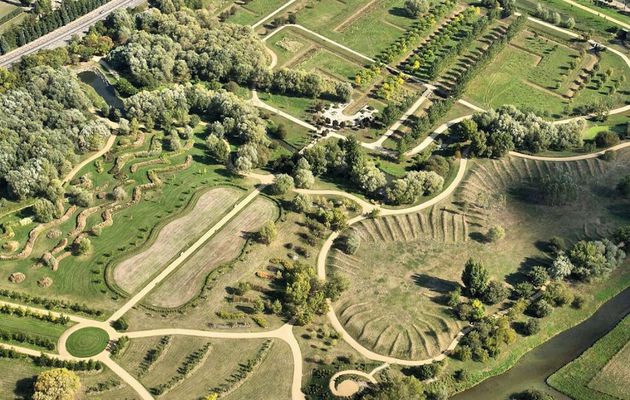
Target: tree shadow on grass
point(24, 388)
point(520, 275)
point(434, 283)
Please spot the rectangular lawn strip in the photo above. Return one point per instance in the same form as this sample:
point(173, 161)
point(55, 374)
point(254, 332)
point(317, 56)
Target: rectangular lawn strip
point(183, 284)
point(584, 20)
point(369, 32)
point(174, 237)
point(595, 374)
point(254, 10)
point(330, 63)
point(31, 327)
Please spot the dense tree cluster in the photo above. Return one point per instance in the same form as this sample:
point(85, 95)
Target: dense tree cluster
point(304, 294)
point(159, 47)
point(346, 158)
point(230, 119)
point(44, 124)
point(496, 132)
point(415, 184)
point(56, 384)
point(486, 339)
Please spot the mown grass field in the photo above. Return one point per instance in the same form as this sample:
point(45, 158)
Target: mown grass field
point(174, 237)
point(406, 263)
point(365, 26)
point(183, 284)
point(602, 371)
point(270, 379)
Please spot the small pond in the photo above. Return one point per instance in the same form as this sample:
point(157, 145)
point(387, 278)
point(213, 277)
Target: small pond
point(102, 87)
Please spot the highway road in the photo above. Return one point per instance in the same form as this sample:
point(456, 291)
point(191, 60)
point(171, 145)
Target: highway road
point(63, 34)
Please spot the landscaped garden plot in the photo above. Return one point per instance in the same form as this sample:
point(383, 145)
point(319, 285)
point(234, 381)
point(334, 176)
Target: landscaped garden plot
point(80, 278)
point(174, 237)
point(288, 45)
point(327, 62)
point(269, 378)
point(537, 73)
point(601, 372)
point(188, 279)
point(253, 11)
point(405, 264)
point(365, 26)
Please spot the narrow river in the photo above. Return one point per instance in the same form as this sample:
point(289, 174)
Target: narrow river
point(532, 370)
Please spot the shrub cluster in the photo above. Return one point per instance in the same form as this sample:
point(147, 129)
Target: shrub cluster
point(24, 312)
point(22, 337)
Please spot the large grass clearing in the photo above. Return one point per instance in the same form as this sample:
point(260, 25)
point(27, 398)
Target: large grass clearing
point(174, 237)
point(365, 26)
point(270, 378)
point(602, 372)
point(182, 286)
point(405, 264)
point(535, 72)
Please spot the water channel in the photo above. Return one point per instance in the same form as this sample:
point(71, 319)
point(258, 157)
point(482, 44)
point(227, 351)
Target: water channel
point(532, 370)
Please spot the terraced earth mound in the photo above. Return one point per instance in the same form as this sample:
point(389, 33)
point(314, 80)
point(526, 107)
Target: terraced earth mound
point(406, 264)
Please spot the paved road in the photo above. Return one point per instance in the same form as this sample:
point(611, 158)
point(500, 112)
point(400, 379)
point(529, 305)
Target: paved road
point(63, 34)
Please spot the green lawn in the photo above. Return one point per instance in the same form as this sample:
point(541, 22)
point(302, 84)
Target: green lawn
point(368, 32)
point(254, 11)
point(323, 60)
point(32, 327)
point(585, 21)
point(87, 342)
point(296, 106)
point(595, 374)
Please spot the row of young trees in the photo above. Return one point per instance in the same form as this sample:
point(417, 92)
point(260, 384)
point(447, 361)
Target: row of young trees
point(159, 47)
point(44, 124)
point(446, 43)
point(35, 26)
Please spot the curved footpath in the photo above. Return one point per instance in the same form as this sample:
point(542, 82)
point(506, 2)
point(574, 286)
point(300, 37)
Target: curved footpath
point(108, 145)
